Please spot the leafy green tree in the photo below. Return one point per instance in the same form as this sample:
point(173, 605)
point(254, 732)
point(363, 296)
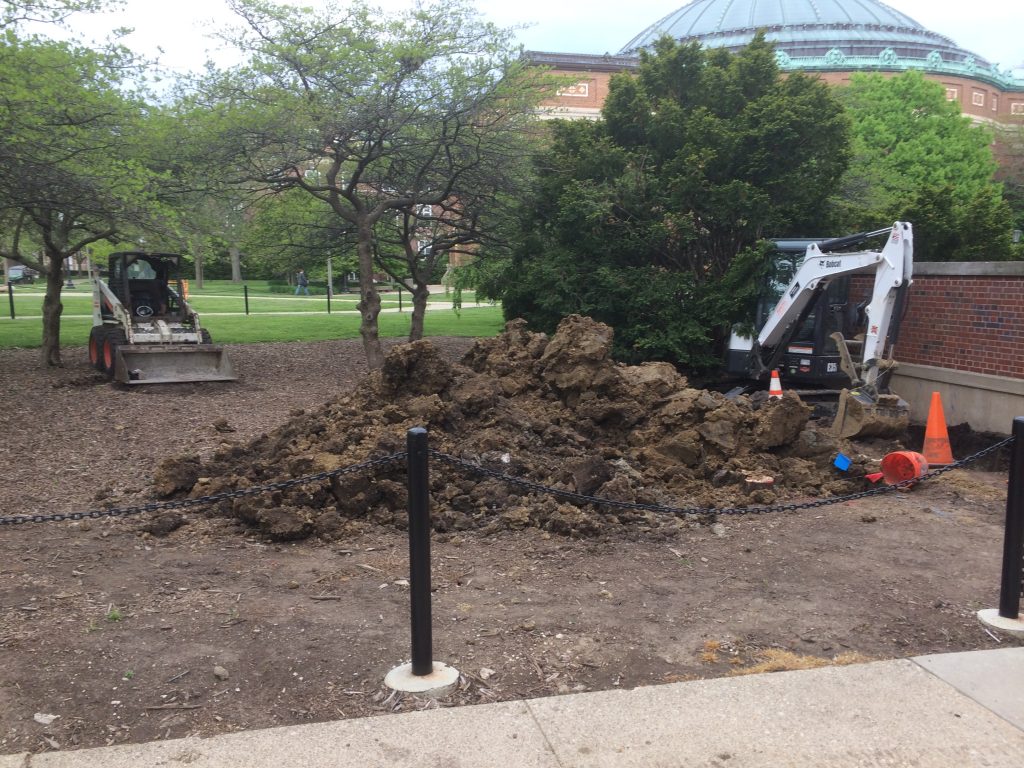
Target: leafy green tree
point(70, 175)
point(204, 214)
point(16, 12)
point(915, 157)
point(391, 114)
point(649, 219)
point(413, 246)
point(1010, 150)
point(292, 230)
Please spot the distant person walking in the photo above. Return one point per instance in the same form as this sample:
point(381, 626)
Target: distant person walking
point(301, 282)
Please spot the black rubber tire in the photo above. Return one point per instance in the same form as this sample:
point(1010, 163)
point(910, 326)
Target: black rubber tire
point(96, 346)
point(204, 336)
point(111, 341)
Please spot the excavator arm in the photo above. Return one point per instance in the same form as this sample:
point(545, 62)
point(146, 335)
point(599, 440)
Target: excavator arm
point(893, 267)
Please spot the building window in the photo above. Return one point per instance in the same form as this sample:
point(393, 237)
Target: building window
point(995, 103)
point(978, 99)
point(1017, 108)
point(580, 90)
point(952, 95)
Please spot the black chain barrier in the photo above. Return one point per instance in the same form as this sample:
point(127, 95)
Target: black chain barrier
point(159, 506)
point(458, 463)
point(478, 469)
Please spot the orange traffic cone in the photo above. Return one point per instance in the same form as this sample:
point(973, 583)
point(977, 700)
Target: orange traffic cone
point(936, 439)
point(775, 388)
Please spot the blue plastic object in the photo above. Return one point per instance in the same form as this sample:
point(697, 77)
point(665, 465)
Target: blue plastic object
point(842, 462)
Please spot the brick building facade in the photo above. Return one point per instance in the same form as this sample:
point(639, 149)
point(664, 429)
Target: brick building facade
point(962, 335)
point(1000, 102)
point(831, 38)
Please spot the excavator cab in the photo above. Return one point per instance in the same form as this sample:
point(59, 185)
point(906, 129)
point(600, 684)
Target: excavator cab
point(811, 358)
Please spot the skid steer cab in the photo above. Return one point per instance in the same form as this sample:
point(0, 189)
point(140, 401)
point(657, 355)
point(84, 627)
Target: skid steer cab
point(144, 331)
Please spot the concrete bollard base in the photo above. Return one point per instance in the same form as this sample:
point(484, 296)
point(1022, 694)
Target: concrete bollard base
point(990, 617)
point(438, 684)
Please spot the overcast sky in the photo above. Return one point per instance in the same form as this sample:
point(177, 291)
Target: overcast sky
point(180, 27)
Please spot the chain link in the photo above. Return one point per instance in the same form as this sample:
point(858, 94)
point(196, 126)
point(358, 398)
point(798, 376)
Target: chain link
point(681, 511)
point(478, 469)
point(160, 506)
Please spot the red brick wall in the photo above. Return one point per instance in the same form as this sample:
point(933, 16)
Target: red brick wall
point(967, 322)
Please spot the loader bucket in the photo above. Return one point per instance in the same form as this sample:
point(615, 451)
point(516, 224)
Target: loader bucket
point(861, 415)
point(172, 364)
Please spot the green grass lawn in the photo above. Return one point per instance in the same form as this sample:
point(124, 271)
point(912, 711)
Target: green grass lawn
point(483, 321)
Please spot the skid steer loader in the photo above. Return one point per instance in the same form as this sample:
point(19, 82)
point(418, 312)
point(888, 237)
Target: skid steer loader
point(144, 331)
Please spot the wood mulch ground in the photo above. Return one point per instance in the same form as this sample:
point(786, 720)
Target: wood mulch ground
point(110, 633)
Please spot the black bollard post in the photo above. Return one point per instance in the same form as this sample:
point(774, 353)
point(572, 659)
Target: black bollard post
point(399, 299)
point(419, 552)
point(1012, 582)
point(245, 291)
point(10, 297)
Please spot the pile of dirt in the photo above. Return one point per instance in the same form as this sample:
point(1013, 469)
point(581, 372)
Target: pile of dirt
point(558, 411)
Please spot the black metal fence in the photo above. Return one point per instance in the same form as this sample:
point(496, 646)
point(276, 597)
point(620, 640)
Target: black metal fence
point(1011, 585)
point(419, 552)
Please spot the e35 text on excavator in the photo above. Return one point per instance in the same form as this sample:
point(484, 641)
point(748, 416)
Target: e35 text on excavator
point(811, 333)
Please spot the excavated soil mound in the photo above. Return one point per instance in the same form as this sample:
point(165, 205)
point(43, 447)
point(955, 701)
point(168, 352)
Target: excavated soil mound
point(558, 412)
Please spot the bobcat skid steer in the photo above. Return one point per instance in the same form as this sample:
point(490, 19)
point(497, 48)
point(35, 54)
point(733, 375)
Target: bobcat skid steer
point(144, 331)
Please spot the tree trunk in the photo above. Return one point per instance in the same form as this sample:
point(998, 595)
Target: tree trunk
point(52, 309)
point(236, 264)
point(420, 294)
point(197, 254)
point(369, 301)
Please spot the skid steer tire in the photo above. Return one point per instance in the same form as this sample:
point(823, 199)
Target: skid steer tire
point(111, 341)
point(204, 336)
point(96, 347)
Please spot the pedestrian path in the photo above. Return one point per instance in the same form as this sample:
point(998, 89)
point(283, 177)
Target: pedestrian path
point(944, 711)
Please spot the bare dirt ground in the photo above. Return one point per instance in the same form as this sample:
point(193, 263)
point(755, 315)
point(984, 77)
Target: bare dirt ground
point(111, 633)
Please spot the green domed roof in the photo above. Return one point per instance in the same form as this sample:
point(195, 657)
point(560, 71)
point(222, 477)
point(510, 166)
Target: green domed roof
point(820, 34)
point(801, 28)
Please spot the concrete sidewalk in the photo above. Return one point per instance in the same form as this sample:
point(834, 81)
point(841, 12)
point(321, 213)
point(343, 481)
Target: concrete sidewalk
point(943, 711)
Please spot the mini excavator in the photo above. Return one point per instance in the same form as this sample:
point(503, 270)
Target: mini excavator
point(812, 334)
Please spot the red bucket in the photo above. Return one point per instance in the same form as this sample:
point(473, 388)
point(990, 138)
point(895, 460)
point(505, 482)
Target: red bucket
point(903, 465)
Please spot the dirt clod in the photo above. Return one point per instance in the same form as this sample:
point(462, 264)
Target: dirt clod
point(164, 524)
point(176, 474)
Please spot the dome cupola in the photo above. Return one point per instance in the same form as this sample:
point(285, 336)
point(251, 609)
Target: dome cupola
point(819, 35)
